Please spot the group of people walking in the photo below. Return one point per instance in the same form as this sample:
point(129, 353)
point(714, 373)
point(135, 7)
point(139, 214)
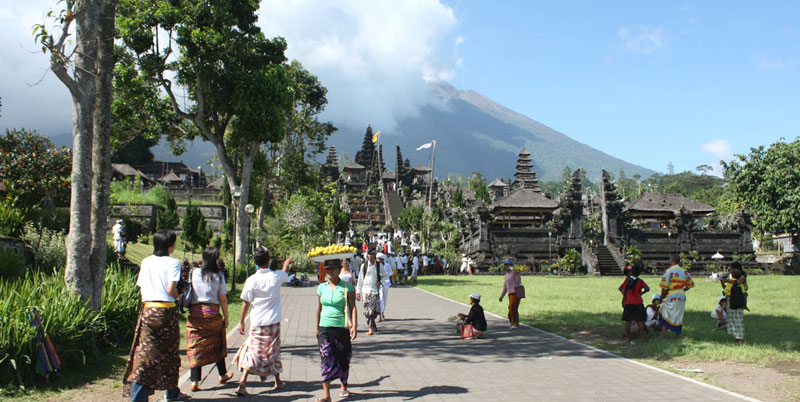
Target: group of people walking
point(154, 361)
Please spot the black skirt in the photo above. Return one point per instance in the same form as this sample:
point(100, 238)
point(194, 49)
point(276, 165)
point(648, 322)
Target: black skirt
point(634, 312)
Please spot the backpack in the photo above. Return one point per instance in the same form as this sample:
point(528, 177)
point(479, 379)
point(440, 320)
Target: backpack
point(185, 298)
point(738, 299)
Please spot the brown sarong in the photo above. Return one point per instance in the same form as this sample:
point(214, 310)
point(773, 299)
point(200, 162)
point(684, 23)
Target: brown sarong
point(153, 360)
point(260, 353)
point(205, 335)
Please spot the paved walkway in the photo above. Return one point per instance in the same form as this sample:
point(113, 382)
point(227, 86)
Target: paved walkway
point(417, 356)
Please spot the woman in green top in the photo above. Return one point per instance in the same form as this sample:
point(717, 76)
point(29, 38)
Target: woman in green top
point(333, 337)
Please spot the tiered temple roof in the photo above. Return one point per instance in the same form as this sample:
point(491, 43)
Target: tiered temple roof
point(525, 176)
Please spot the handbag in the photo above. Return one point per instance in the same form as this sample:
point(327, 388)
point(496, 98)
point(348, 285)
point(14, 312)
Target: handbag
point(185, 298)
point(519, 291)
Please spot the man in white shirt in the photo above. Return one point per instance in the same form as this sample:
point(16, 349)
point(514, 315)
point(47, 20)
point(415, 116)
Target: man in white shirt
point(119, 241)
point(386, 264)
point(369, 282)
point(260, 354)
point(414, 268)
point(464, 262)
point(426, 264)
point(403, 267)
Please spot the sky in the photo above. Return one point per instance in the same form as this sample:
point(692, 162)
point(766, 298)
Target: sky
point(649, 82)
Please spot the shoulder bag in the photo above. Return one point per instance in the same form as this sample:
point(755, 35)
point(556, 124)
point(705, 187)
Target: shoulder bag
point(185, 298)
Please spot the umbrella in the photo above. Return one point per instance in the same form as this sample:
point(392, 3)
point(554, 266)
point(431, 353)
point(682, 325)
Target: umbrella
point(47, 361)
point(717, 256)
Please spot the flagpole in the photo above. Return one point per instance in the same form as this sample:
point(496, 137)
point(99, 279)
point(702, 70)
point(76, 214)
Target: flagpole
point(433, 165)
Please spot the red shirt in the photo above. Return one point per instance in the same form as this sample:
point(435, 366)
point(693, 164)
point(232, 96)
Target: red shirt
point(634, 296)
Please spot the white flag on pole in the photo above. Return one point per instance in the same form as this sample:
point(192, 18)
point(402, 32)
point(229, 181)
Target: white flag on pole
point(425, 146)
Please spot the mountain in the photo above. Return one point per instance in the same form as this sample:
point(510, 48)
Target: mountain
point(475, 134)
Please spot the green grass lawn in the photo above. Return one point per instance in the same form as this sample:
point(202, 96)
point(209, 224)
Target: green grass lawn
point(588, 309)
point(136, 252)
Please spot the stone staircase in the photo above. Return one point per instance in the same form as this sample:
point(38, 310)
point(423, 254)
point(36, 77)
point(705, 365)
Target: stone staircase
point(395, 205)
point(365, 208)
point(607, 265)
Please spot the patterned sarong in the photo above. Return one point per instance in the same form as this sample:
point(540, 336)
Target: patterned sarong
point(468, 331)
point(205, 335)
point(260, 353)
point(735, 325)
point(671, 314)
point(372, 308)
point(335, 351)
point(153, 360)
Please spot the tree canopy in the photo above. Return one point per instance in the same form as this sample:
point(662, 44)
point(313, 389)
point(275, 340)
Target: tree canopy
point(766, 182)
point(32, 167)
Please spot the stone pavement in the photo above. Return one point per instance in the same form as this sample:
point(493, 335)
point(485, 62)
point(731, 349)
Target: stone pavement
point(416, 355)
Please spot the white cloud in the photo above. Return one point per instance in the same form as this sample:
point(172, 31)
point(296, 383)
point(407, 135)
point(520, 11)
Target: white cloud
point(720, 150)
point(772, 64)
point(460, 39)
point(373, 56)
point(643, 40)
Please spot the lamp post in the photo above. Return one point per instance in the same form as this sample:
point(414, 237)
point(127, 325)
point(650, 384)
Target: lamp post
point(550, 247)
point(249, 208)
point(237, 192)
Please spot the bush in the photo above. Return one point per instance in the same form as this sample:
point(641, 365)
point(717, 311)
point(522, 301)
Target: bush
point(633, 255)
point(168, 218)
point(133, 229)
point(12, 264)
point(12, 220)
point(72, 326)
point(48, 247)
point(572, 261)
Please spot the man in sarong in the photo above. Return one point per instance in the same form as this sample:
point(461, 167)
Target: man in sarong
point(260, 354)
point(674, 284)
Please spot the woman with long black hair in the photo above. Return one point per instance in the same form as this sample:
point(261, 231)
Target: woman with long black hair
point(208, 320)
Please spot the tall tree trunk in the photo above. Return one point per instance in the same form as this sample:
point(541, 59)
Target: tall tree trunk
point(101, 149)
point(77, 272)
point(243, 219)
point(266, 199)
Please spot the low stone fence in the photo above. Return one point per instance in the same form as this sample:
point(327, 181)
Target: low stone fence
point(147, 215)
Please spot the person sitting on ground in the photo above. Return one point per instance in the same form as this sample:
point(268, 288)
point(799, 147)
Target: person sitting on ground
point(632, 289)
point(652, 313)
point(474, 323)
point(720, 314)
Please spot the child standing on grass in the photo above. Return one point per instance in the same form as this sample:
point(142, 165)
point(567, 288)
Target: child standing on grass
point(632, 289)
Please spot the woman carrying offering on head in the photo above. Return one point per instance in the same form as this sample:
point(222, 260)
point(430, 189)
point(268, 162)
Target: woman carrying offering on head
point(335, 350)
point(260, 354)
point(205, 326)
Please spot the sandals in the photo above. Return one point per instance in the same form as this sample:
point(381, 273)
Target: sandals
point(323, 400)
point(194, 386)
point(241, 390)
point(344, 394)
point(225, 378)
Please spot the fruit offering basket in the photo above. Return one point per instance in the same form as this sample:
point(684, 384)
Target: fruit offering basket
point(332, 252)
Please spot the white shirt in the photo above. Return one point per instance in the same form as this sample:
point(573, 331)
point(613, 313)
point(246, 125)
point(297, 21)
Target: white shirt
point(404, 261)
point(387, 274)
point(368, 279)
point(346, 277)
point(263, 291)
point(207, 292)
point(425, 260)
point(415, 263)
point(154, 275)
point(117, 229)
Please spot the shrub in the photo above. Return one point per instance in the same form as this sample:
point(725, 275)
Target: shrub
point(168, 218)
point(572, 261)
point(633, 255)
point(12, 264)
point(133, 229)
point(72, 326)
point(12, 219)
point(48, 246)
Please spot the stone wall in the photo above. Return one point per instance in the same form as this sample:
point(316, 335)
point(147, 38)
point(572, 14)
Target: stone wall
point(657, 244)
point(147, 214)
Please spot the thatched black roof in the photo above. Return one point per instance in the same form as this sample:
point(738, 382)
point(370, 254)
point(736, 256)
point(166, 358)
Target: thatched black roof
point(667, 202)
point(525, 198)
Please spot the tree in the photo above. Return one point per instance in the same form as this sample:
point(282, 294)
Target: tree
point(232, 73)
point(458, 198)
point(670, 168)
point(86, 71)
point(194, 228)
point(704, 169)
point(168, 218)
point(765, 181)
point(478, 185)
point(33, 168)
point(134, 152)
